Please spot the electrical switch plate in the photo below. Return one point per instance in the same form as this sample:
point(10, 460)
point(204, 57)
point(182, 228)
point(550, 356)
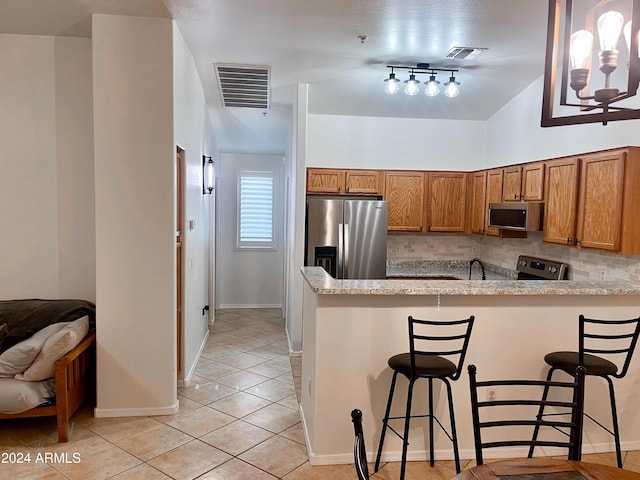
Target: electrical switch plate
point(192, 224)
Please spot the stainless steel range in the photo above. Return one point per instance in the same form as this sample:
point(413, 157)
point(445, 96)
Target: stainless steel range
point(532, 268)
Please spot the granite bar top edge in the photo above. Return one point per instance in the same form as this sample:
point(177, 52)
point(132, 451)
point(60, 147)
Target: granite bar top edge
point(323, 284)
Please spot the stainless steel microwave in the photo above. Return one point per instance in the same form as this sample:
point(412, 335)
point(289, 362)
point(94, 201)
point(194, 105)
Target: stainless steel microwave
point(523, 216)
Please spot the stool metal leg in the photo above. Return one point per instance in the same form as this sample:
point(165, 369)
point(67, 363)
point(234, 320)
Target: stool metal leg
point(454, 434)
point(545, 393)
point(431, 448)
point(385, 420)
point(614, 417)
point(407, 421)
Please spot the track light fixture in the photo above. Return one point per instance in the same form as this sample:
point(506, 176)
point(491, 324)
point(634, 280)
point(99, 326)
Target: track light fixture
point(601, 78)
point(431, 86)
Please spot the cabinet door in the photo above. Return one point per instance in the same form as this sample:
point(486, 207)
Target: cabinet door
point(494, 195)
point(478, 202)
point(446, 202)
point(405, 193)
point(600, 203)
point(364, 181)
point(325, 180)
point(511, 183)
point(533, 182)
point(561, 190)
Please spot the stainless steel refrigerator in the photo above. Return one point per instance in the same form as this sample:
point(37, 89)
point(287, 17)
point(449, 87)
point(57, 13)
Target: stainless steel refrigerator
point(348, 238)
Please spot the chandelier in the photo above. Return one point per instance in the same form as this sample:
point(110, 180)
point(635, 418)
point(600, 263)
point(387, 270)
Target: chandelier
point(594, 82)
point(432, 87)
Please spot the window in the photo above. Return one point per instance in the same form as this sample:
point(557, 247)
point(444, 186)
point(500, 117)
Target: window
point(256, 201)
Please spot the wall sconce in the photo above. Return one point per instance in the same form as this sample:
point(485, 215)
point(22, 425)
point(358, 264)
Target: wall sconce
point(208, 177)
point(431, 86)
point(593, 84)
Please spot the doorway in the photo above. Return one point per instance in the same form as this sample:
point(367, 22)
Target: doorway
point(179, 206)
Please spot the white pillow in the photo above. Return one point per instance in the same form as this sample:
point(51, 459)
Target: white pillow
point(61, 342)
point(17, 358)
point(17, 396)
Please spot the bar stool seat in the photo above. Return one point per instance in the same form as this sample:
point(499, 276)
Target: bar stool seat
point(569, 361)
point(425, 366)
point(431, 345)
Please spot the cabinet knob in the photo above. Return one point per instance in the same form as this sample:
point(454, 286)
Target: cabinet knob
point(568, 241)
point(577, 241)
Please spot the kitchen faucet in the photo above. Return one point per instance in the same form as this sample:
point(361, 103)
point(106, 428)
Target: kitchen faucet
point(476, 260)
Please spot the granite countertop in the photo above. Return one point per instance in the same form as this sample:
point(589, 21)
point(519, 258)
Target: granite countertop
point(436, 268)
point(323, 284)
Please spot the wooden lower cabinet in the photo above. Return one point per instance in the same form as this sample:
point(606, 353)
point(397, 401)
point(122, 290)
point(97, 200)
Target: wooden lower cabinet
point(404, 192)
point(446, 201)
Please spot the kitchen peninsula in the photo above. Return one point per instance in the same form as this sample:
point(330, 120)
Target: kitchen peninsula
point(351, 328)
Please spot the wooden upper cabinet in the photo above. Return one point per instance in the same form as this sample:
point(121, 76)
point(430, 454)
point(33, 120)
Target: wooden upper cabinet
point(329, 180)
point(494, 195)
point(364, 181)
point(478, 207)
point(446, 201)
point(600, 201)
point(404, 192)
point(524, 183)
point(533, 182)
point(325, 180)
point(591, 201)
point(561, 191)
point(512, 184)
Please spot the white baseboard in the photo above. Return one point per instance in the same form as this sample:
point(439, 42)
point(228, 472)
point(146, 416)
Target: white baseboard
point(244, 305)
point(135, 412)
point(186, 380)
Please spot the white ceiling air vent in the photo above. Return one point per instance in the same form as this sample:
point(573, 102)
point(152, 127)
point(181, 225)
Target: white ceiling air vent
point(462, 53)
point(245, 86)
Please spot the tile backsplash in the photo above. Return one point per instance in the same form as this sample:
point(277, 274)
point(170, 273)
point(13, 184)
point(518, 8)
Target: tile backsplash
point(503, 252)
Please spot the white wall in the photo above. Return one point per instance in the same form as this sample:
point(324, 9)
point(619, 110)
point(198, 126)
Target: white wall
point(74, 154)
point(514, 134)
point(135, 221)
point(247, 278)
point(296, 209)
point(46, 184)
point(394, 143)
point(190, 121)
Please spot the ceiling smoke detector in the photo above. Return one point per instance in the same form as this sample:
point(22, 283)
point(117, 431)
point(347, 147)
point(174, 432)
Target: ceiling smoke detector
point(465, 53)
point(245, 86)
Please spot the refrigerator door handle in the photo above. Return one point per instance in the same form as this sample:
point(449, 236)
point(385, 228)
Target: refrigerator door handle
point(340, 260)
point(345, 256)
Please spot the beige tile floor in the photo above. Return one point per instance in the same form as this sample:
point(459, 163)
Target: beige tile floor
point(238, 420)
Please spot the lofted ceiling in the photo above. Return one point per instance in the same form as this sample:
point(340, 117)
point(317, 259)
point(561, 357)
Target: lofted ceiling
point(317, 42)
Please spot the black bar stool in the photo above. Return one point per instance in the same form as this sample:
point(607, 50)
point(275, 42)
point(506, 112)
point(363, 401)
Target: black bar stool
point(432, 343)
point(616, 339)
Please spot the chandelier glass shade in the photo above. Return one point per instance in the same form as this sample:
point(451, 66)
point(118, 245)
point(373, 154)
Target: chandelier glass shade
point(592, 67)
point(431, 86)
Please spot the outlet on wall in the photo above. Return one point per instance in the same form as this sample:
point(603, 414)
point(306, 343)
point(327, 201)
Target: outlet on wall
point(491, 395)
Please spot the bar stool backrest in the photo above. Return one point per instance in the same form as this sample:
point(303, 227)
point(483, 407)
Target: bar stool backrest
point(508, 420)
point(443, 338)
point(616, 339)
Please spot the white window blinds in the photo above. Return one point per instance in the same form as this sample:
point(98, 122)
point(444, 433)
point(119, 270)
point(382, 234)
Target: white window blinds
point(256, 210)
